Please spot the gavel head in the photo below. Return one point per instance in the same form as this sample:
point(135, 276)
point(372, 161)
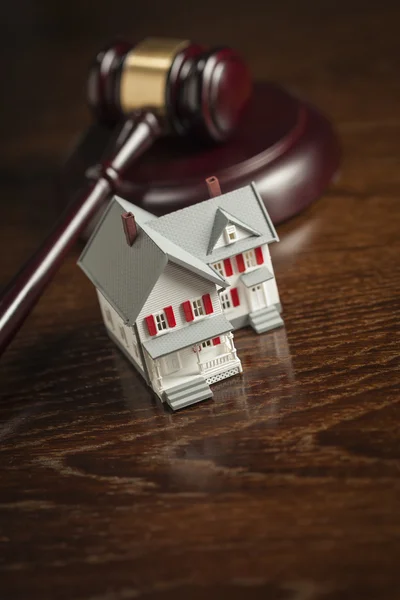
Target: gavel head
point(199, 92)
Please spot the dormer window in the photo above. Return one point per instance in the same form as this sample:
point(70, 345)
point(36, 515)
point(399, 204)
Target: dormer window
point(230, 234)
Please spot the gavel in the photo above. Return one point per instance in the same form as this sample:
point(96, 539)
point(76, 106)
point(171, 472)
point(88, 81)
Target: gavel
point(154, 88)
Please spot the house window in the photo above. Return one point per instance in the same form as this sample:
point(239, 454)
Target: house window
point(225, 300)
point(135, 350)
point(161, 321)
point(230, 234)
point(206, 344)
point(109, 318)
point(123, 335)
point(171, 363)
point(249, 259)
point(198, 308)
point(219, 267)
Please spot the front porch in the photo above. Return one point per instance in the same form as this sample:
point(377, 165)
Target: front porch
point(211, 363)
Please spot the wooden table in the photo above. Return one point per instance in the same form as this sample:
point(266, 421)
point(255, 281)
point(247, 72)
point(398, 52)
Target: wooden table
point(287, 485)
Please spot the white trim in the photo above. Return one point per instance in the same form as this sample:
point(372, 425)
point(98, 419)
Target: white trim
point(230, 234)
point(225, 299)
point(161, 321)
point(258, 297)
point(196, 307)
point(206, 344)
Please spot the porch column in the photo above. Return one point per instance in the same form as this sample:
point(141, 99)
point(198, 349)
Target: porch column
point(233, 351)
point(196, 348)
point(158, 374)
point(231, 345)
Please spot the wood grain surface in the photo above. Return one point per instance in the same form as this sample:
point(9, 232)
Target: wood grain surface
point(287, 485)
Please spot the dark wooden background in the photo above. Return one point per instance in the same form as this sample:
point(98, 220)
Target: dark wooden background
point(287, 485)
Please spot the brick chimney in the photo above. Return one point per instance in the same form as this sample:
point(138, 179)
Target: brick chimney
point(214, 188)
point(130, 227)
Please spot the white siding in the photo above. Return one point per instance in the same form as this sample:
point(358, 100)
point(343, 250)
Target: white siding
point(124, 334)
point(176, 285)
point(270, 287)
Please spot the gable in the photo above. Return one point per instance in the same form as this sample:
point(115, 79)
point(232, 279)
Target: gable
point(181, 257)
point(241, 234)
point(124, 275)
point(176, 285)
point(222, 223)
point(192, 228)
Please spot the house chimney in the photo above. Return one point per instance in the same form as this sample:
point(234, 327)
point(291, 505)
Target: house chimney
point(130, 228)
point(213, 187)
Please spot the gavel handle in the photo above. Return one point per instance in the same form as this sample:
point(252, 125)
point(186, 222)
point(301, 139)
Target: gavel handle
point(22, 293)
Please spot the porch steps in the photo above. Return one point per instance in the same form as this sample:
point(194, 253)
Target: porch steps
point(265, 319)
point(188, 393)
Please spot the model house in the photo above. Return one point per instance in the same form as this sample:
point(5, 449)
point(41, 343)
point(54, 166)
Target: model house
point(171, 289)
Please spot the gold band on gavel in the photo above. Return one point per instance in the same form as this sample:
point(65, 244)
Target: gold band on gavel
point(145, 71)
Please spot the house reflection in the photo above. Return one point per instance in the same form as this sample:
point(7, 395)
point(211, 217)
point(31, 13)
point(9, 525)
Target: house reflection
point(268, 378)
point(200, 448)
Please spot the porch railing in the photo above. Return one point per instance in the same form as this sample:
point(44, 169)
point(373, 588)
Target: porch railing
point(216, 362)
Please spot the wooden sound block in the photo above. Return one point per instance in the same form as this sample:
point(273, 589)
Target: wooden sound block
point(283, 144)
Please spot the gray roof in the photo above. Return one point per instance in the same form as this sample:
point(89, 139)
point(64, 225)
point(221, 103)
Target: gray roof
point(257, 276)
point(194, 228)
point(181, 257)
point(196, 332)
point(124, 274)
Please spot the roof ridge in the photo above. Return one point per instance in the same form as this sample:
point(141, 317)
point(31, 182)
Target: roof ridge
point(264, 210)
point(188, 208)
point(195, 227)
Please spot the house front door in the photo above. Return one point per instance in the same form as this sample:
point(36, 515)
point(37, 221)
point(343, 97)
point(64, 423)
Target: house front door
point(257, 297)
point(171, 363)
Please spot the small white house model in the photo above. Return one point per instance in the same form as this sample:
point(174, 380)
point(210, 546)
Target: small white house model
point(172, 289)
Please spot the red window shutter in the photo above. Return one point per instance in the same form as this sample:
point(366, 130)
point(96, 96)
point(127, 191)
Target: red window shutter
point(240, 263)
point(235, 297)
point(188, 310)
point(259, 255)
point(151, 325)
point(169, 313)
point(208, 307)
point(228, 267)
point(216, 341)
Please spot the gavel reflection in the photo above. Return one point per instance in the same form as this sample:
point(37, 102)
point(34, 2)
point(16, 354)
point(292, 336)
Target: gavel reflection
point(157, 87)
